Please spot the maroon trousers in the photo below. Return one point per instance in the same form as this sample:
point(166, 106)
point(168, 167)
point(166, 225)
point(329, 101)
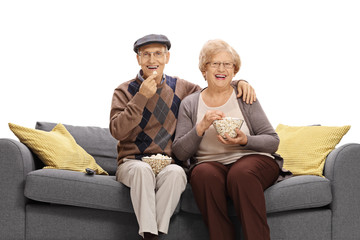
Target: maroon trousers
point(244, 182)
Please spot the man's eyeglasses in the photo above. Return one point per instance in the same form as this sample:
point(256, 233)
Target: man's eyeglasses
point(147, 55)
point(227, 65)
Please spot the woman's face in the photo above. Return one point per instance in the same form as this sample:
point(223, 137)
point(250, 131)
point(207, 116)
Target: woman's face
point(220, 70)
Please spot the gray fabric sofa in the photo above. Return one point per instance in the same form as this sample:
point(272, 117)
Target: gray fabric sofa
point(38, 203)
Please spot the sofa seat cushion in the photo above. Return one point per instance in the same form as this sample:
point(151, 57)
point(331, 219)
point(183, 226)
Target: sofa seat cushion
point(300, 192)
point(78, 189)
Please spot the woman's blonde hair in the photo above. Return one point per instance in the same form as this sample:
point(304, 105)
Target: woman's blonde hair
point(213, 47)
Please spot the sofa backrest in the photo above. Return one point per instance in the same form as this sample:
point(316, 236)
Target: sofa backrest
point(97, 141)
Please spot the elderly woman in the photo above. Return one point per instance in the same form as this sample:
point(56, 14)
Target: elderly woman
point(241, 167)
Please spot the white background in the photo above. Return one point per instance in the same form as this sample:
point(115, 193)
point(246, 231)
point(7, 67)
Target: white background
point(61, 60)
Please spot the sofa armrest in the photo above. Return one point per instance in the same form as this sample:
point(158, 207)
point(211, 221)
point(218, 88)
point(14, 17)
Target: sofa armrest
point(16, 160)
point(342, 168)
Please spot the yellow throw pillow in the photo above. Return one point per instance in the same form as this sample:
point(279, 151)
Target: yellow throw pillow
point(305, 149)
point(57, 149)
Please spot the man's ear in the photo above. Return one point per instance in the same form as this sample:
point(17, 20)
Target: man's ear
point(138, 59)
point(167, 55)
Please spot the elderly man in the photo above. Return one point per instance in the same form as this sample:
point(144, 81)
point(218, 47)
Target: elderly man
point(143, 119)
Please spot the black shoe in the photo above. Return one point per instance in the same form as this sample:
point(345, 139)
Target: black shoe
point(150, 236)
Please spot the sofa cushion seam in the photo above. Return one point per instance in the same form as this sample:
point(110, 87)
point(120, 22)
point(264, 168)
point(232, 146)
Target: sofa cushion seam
point(70, 180)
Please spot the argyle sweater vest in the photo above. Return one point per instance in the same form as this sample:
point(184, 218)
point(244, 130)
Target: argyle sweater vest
point(147, 126)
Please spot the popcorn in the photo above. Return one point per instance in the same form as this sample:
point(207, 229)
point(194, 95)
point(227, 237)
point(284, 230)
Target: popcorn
point(159, 156)
point(157, 162)
point(227, 125)
point(154, 72)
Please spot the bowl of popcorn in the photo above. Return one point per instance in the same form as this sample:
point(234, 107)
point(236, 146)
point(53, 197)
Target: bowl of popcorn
point(157, 162)
point(228, 125)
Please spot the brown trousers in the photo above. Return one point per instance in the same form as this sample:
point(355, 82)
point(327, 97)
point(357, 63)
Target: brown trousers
point(244, 182)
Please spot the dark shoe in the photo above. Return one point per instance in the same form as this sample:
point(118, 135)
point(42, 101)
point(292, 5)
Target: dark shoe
point(150, 236)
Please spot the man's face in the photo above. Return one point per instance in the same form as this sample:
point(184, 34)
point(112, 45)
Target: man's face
point(153, 57)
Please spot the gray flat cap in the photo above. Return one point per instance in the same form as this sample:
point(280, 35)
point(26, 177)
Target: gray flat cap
point(152, 38)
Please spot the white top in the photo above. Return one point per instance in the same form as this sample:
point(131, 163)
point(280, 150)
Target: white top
point(210, 149)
